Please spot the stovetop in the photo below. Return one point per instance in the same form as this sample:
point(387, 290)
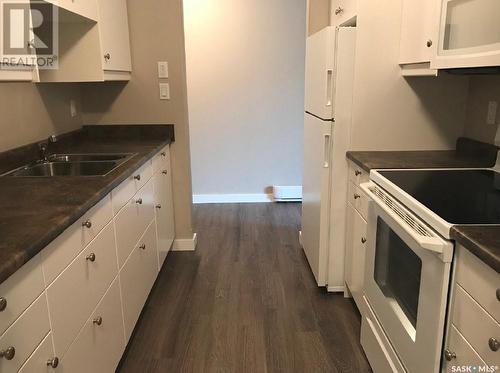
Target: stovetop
point(457, 196)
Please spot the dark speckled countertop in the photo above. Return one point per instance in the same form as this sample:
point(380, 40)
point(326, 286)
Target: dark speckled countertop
point(482, 241)
point(34, 211)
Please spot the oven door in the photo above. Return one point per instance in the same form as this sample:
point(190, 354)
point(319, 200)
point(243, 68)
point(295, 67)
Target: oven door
point(407, 273)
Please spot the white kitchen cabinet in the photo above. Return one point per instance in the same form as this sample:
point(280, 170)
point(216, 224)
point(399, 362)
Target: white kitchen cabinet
point(115, 40)
point(343, 12)
point(355, 254)
point(418, 29)
point(83, 8)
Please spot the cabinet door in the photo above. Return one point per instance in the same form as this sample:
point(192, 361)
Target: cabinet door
point(115, 40)
point(355, 254)
point(417, 29)
point(343, 11)
point(164, 214)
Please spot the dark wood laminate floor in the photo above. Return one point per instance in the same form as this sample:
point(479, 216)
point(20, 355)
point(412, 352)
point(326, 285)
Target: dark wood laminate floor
point(245, 301)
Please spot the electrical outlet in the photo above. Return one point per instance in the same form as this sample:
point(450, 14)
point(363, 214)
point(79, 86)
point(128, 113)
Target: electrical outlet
point(72, 108)
point(492, 112)
point(163, 69)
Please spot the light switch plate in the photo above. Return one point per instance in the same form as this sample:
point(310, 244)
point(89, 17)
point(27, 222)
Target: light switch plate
point(163, 69)
point(164, 91)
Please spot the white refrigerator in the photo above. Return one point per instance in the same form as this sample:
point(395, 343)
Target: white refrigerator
point(330, 56)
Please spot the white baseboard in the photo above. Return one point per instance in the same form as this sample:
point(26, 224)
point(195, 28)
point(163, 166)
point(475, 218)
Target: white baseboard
point(185, 244)
point(336, 289)
point(232, 198)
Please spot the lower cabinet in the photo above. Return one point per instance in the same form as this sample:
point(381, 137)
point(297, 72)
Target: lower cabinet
point(43, 359)
point(164, 213)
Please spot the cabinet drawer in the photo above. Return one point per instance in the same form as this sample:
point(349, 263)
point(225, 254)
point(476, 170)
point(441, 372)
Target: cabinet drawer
point(358, 199)
point(465, 354)
point(479, 280)
point(19, 291)
point(75, 293)
point(476, 325)
point(161, 161)
point(126, 190)
point(98, 348)
point(25, 335)
point(37, 363)
point(133, 220)
point(137, 277)
point(357, 175)
point(59, 253)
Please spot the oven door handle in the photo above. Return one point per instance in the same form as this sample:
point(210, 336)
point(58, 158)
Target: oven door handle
point(434, 244)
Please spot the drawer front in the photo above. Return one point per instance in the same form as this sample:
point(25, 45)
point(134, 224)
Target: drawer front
point(37, 363)
point(476, 325)
point(161, 161)
point(133, 220)
point(59, 254)
point(479, 280)
point(465, 354)
point(123, 193)
point(359, 200)
point(98, 348)
point(25, 335)
point(75, 293)
point(137, 277)
point(357, 175)
point(165, 225)
point(20, 290)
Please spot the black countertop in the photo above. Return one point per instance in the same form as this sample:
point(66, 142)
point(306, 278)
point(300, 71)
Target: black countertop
point(34, 211)
point(482, 240)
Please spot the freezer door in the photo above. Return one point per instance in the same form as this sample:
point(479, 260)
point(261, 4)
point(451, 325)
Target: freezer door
point(316, 194)
point(320, 75)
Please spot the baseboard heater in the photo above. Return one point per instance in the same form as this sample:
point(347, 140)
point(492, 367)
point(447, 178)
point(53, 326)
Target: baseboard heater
point(287, 193)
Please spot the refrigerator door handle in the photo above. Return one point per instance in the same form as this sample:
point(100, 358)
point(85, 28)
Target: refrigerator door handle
point(329, 87)
point(326, 151)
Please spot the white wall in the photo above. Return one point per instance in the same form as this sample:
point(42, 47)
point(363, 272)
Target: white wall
point(245, 67)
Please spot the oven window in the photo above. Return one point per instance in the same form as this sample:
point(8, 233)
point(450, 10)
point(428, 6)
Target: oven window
point(397, 272)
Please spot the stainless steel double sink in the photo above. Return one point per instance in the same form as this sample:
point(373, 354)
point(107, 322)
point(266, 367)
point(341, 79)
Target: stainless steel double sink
point(72, 165)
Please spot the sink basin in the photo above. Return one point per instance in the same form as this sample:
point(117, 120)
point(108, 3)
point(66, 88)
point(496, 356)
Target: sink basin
point(89, 157)
point(51, 169)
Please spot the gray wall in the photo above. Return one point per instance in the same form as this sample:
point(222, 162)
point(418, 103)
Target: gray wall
point(245, 64)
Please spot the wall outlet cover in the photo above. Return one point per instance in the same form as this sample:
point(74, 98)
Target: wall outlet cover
point(163, 69)
point(164, 91)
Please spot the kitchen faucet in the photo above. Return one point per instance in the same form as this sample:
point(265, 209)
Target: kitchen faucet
point(44, 148)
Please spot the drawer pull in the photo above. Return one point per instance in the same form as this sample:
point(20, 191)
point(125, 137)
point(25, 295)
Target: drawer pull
point(137, 177)
point(164, 172)
point(163, 154)
point(3, 304)
point(357, 196)
point(53, 363)
point(158, 207)
point(498, 295)
point(91, 257)
point(449, 356)
point(139, 201)
point(142, 247)
point(97, 321)
point(494, 344)
point(8, 353)
point(357, 173)
point(87, 224)
point(363, 240)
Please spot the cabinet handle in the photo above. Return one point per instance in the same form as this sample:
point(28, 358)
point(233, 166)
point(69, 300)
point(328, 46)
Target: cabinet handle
point(91, 257)
point(158, 207)
point(164, 172)
point(97, 321)
point(357, 196)
point(449, 356)
point(498, 295)
point(54, 362)
point(363, 240)
point(3, 304)
point(429, 43)
point(142, 247)
point(163, 154)
point(87, 224)
point(8, 353)
point(357, 172)
point(494, 344)
point(339, 10)
point(137, 177)
point(139, 201)
point(107, 56)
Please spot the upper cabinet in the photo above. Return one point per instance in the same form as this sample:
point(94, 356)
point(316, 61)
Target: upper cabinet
point(83, 8)
point(418, 28)
point(343, 12)
point(469, 34)
point(115, 40)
